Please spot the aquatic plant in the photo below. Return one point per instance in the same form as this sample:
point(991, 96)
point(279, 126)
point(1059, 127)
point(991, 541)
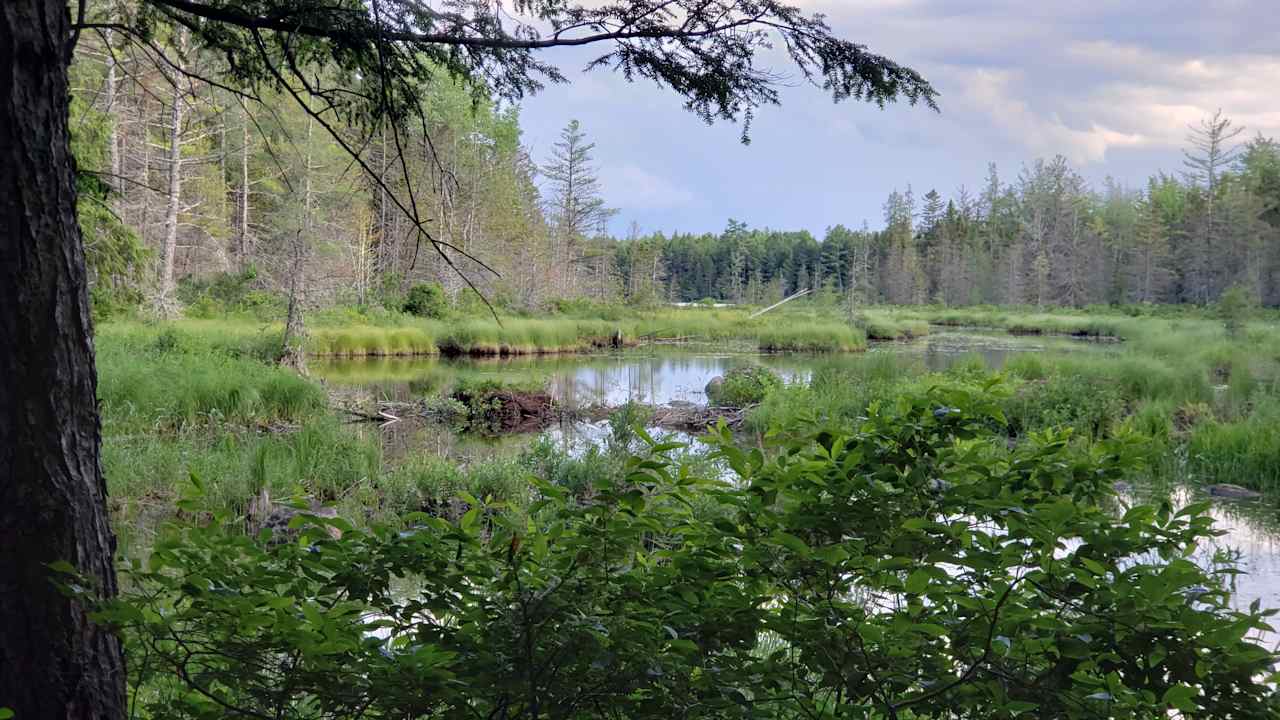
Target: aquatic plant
point(743, 386)
point(625, 597)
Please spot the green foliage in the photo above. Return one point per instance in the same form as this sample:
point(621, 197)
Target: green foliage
point(114, 254)
point(1087, 404)
point(1234, 308)
point(1245, 452)
point(743, 386)
point(109, 303)
point(783, 335)
point(173, 379)
point(878, 326)
point(427, 300)
point(837, 393)
point(910, 567)
point(145, 472)
point(229, 293)
point(578, 475)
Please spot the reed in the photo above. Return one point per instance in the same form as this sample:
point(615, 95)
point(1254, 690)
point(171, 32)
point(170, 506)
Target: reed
point(172, 390)
point(811, 336)
point(1246, 452)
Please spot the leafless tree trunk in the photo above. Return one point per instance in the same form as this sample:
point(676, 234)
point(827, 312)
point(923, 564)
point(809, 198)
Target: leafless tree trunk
point(293, 353)
point(166, 304)
point(242, 237)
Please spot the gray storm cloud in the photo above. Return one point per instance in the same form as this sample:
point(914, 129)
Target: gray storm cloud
point(1111, 86)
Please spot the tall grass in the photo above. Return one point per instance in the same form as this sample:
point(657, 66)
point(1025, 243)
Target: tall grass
point(367, 340)
point(145, 473)
point(809, 337)
point(178, 386)
point(1246, 452)
point(835, 393)
point(883, 326)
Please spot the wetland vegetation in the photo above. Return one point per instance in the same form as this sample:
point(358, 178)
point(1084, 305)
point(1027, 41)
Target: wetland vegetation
point(343, 401)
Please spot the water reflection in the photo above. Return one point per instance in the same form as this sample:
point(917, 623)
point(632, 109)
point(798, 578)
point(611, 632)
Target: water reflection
point(657, 378)
point(1250, 535)
point(1251, 530)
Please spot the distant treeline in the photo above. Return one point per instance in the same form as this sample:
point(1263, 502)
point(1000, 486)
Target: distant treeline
point(185, 189)
point(1047, 238)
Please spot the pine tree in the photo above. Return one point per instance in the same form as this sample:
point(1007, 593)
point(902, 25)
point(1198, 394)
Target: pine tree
point(577, 207)
point(1148, 272)
point(1212, 153)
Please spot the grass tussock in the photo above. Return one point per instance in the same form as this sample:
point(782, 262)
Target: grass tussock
point(170, 386)
point(810, 337)
point(1245, 452)
point(885, 327)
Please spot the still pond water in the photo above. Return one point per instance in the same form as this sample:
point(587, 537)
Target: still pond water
point(664, 376)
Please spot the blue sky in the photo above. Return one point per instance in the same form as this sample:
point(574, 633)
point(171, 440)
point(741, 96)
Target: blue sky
point(1111, 85)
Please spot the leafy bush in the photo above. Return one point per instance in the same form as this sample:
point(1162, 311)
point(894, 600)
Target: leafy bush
point(743, 386)
point(427, 300)
point(911, 568)
point(1089, 405)
point(1234, 308)
point(108, 303)
point(228, 293)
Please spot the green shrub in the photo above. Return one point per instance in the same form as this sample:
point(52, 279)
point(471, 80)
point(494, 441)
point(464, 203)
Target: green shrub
point(109, 303)
point(743, 386)
point(427, 300)
point(1233, 308)
point(1087, 404)
point(226, 293)
point(919, 540)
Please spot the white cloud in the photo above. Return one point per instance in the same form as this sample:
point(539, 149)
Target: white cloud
point(630, 187)
point(994, 94)
point(1112, 86)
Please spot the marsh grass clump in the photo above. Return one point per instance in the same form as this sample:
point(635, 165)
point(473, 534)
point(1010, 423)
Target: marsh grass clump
point(174, 390)
point(577, 474)
point(372, 341)
point(836, 393)
point(146, 473)
point(881, 326)
point(814, 337)
point(1089, 405)
point(1245, 452)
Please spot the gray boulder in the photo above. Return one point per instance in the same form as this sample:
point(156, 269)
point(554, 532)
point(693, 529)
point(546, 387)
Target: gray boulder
point(266, 514)
point(1233, 492)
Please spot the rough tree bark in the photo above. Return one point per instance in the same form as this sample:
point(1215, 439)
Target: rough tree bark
point(54, 663)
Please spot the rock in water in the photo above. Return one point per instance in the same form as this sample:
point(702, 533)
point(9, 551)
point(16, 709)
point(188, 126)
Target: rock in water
point(1234, 492)
point(742, 386)
point(263, 514)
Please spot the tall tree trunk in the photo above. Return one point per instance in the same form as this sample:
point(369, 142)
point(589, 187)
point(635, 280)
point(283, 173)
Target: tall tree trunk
point(293, 352)
point(242, 244)
point(113, 137)
point(169, 249)
point(54, 662)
